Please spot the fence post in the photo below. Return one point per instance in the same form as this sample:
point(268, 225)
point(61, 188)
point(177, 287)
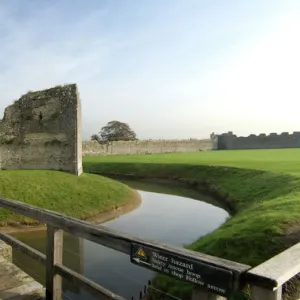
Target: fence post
point(54, 254)
point(204, 295)
point(258, 293)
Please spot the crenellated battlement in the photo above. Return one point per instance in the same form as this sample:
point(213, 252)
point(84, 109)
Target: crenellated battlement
point(262, 141)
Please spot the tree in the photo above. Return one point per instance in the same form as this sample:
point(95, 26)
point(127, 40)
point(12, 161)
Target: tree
point(115, 131)
point(95, 137)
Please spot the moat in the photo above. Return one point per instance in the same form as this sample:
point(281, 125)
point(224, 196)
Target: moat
point(171, 215)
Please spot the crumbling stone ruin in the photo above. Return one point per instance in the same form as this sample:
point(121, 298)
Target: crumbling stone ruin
point(42, 131)
point(262, 141)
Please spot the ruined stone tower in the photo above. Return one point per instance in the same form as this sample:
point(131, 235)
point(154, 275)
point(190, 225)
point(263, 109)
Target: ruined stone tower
point(42, 131)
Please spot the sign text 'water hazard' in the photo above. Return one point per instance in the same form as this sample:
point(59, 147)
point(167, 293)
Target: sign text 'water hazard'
point(215, 279)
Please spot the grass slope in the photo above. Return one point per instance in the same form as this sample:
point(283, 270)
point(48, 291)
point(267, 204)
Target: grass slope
point(266, 204)
point(80, 197)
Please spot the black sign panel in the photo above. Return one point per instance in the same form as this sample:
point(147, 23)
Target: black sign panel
point(218, 280)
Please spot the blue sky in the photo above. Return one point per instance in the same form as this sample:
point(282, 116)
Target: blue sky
point(169, 68)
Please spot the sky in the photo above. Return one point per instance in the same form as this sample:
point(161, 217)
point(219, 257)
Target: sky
point(171, 69)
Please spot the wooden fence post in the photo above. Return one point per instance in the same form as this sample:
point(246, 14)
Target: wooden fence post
point(54, 254)
point(204, 295)
point(258, 293)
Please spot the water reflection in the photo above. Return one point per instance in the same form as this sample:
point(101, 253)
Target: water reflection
point(162, 217)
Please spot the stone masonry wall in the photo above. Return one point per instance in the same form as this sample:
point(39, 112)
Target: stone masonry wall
point(145, 147)
point(42, 130)
point(262, 141)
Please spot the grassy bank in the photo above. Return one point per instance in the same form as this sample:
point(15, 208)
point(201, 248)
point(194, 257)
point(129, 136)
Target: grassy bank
point(265, 202)
point(80, 197)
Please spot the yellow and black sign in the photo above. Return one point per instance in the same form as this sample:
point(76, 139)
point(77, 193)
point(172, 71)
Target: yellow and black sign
point(141, 253)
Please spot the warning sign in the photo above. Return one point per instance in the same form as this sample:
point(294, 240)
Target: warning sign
point(141, 253)
point(218, 280)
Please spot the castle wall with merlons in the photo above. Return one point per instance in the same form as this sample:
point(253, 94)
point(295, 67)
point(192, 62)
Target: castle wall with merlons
point(262, 141)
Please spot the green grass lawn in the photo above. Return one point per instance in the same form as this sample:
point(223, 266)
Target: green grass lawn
point(261, 186)
point(80, 197)
point(278, 160)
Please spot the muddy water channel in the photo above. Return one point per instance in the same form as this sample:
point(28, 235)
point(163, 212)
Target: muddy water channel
point(171, 215)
